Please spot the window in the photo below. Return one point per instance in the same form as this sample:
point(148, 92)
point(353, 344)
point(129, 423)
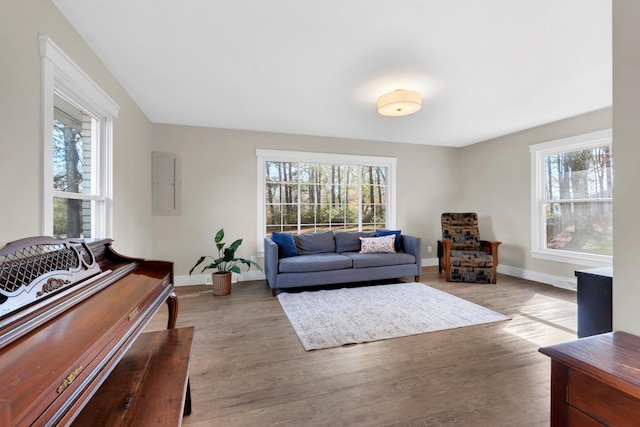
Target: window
point(309, 192)
point(77, 119)
point(572, 199)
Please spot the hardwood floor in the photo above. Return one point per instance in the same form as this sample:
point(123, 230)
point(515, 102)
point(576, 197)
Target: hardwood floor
point(249, 369)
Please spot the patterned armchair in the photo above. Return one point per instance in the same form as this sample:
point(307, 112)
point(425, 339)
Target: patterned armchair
point(461, 253)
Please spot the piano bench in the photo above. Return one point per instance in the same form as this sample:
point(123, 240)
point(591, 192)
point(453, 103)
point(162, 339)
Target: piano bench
point(149, 386)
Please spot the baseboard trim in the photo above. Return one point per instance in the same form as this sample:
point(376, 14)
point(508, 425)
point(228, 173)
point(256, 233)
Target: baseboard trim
point(548, 279)
point(205, 279)
point(429, 262)
point(570, 283)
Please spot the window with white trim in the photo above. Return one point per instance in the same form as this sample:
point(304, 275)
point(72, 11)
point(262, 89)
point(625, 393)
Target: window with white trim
point(77, 118)
point(572, 199)
point(302, 192)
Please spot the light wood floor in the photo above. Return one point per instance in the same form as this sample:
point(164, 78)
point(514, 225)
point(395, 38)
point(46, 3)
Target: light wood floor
point(249, 369)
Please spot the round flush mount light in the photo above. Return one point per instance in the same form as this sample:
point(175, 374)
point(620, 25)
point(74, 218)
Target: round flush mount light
point(399, 103)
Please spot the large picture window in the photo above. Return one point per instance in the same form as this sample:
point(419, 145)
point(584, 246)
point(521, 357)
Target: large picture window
point(303, 192)
point(77, 119)
point(572, 199)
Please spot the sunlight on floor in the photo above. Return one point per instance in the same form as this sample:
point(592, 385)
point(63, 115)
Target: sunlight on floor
point(545, 321)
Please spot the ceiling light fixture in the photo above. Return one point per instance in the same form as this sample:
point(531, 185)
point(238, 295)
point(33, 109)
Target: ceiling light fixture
point(399, 103)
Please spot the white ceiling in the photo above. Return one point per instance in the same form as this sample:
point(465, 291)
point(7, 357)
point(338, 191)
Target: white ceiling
point(485, 68)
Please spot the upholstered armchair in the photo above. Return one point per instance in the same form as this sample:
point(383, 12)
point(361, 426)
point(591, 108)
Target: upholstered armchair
point(461, 253)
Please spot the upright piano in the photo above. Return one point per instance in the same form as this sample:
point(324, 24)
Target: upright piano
point(71, 311)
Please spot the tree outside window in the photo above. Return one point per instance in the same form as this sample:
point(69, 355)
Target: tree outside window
point(579, 201)
point(72, 155)
point(306, 197)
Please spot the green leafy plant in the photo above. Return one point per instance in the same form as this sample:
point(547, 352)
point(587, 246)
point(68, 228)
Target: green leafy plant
point(226, 260)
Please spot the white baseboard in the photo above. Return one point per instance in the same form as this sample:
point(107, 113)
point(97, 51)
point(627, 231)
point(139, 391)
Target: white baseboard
point(570, 283)
point(429, 262)
point(205, 279)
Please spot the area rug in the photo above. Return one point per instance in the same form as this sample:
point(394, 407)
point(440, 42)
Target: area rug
point(337, 317)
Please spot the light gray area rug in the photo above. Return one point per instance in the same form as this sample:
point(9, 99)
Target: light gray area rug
point(336, 317)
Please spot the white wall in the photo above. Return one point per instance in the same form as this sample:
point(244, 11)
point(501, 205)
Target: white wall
point(626, 148)
point(500, 190)
point(21, 138)
point(219, 186)
point(491, 178)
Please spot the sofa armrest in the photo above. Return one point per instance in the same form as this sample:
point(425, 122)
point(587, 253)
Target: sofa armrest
point(271, 262)
point(413, 246)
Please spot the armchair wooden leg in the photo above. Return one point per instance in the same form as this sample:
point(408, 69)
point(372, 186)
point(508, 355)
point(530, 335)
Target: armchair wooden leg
point(445, 261)
point(447, 276)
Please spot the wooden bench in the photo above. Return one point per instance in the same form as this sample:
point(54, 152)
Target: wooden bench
point(149, 386)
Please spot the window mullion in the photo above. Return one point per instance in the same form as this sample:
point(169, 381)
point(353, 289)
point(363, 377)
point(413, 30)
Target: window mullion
point(299, 201)
point(77, 196)
point(320, 186)
point(602, 199)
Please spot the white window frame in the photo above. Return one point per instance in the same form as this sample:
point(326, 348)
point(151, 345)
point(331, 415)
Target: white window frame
point(538, 181)
point(325, 158)
point(60, 75)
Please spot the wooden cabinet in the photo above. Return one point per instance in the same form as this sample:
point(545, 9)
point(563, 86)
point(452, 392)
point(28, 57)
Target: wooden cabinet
point(595, 381)
point(594, 301)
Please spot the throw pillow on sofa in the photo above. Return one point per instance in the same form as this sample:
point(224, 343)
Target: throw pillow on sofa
point(348, 241)
point(398, 233)
point(377, 245)
point(286, 244)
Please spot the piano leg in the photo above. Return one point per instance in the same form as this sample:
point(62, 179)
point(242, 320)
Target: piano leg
point(187, 400)
point(172, 303)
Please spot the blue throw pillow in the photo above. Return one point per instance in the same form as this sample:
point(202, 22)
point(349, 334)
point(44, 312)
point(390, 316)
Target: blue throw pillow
point(286, 244)
point(398, 233)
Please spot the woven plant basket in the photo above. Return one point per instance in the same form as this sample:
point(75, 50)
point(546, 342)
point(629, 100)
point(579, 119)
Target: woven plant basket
point(221, 283)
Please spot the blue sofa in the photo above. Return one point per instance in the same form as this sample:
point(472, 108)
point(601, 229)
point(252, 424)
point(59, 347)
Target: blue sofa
point(326, 258)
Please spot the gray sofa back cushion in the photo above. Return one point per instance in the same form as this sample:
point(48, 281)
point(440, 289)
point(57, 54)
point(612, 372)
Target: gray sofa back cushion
point(348, 241)
point(315, 243)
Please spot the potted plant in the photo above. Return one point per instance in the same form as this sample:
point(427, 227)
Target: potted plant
point(225, 264)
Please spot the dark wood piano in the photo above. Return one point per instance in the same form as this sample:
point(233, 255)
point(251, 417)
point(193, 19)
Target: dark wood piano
point(72, 347)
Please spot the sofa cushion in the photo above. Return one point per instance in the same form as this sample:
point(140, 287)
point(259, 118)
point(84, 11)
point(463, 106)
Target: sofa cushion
point(471, 259)
point(286, 244)
point(316, 262)
point(398, 233)
point(374, 245)
point(379, 260)
point(315, 243)
point(349, 241)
